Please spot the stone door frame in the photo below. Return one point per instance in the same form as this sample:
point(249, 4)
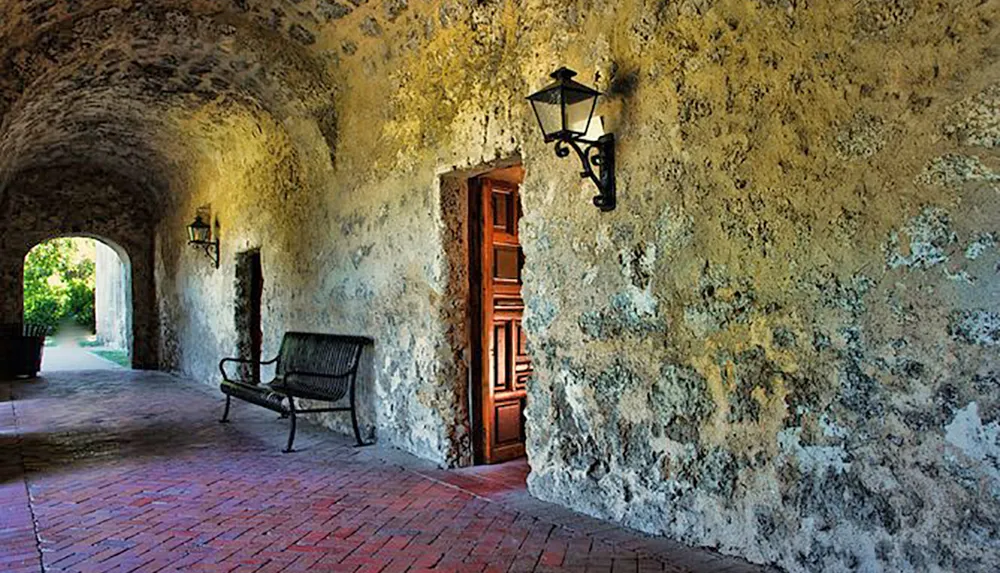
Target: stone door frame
point(456, 308)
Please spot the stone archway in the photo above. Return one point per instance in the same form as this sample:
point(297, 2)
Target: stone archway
point(98, 209)
point(124, 264)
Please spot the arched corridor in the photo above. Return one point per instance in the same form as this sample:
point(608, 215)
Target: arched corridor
point(779, 341)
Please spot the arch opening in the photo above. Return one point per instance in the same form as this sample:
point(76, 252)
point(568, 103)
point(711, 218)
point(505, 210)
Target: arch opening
point(80, 287)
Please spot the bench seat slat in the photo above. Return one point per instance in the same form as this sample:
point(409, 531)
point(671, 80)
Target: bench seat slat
point(261, 395)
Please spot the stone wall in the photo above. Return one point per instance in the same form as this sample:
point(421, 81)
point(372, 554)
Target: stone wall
point(111, 299)
point(783, 343)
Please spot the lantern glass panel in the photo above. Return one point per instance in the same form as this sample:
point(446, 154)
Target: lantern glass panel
point(579, 109)
point(548, 109)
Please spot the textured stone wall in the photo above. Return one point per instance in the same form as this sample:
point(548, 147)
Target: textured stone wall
point(783, 343)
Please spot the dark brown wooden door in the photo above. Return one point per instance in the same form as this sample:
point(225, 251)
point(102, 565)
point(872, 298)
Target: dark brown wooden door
point(256, 326)
point(506, 366)
point(249, 295)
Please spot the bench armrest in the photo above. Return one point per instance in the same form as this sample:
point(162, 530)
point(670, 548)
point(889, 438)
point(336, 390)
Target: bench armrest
point(222, 365)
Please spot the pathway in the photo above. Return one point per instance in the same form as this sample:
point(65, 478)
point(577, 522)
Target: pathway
point(120, 470)
point(68, 356)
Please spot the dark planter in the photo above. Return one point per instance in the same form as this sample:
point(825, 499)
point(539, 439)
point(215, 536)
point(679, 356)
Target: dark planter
point(21, 350)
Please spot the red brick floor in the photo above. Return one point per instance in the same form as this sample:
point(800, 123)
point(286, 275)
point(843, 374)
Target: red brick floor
point(128, 471)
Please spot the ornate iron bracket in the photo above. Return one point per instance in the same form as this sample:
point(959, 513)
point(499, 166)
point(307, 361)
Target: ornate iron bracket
point(600, 153)
point(211, 249)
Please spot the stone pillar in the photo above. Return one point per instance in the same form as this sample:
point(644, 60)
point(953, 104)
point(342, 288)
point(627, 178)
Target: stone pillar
point(110, 298)
point(140, 291)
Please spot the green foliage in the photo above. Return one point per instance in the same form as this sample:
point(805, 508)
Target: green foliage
point(59, 285)
point(119, 357)
point(80, 303)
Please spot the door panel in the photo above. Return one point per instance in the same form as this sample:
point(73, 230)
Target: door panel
point(501, 372)
point(508, 422)
point(506, 366)
point(506, 264)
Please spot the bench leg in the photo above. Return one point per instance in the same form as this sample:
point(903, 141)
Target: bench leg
point(225, 414)
point(354, 419)
point(291, 431)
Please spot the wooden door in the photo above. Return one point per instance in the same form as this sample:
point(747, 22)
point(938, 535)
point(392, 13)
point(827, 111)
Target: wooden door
point(503, 356)
point(249, 295)
point(256, 326)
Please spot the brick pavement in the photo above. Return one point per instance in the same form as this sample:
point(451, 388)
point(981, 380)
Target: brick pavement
point(123, 471)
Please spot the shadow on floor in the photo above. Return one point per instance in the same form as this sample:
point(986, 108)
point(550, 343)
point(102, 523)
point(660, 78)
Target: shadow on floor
point(52, 452)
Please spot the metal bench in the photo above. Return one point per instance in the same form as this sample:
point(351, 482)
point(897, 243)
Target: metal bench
point(309, 366)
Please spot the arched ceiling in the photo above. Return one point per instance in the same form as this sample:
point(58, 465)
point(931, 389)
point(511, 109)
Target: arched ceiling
point(102, 83)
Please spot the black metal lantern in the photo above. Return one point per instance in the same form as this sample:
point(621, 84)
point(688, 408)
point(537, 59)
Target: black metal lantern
point(200, 235)
point(565, 109)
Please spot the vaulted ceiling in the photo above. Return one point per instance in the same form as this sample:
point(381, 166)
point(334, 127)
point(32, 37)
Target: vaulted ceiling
point(90, 86)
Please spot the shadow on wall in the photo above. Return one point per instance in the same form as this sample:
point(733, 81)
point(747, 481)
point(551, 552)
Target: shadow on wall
point(364, 401)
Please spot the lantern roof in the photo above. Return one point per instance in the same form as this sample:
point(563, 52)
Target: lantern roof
point(564, 80)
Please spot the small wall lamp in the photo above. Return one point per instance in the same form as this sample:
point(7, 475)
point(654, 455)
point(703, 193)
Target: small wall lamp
point(564, 110)
point(200, 235)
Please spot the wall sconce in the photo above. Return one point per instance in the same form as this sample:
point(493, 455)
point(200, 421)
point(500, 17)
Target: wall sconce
point(564, 110)
point(200, 235)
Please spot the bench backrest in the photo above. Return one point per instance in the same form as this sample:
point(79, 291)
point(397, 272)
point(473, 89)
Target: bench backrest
point(17, 329)
point(331, 354)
